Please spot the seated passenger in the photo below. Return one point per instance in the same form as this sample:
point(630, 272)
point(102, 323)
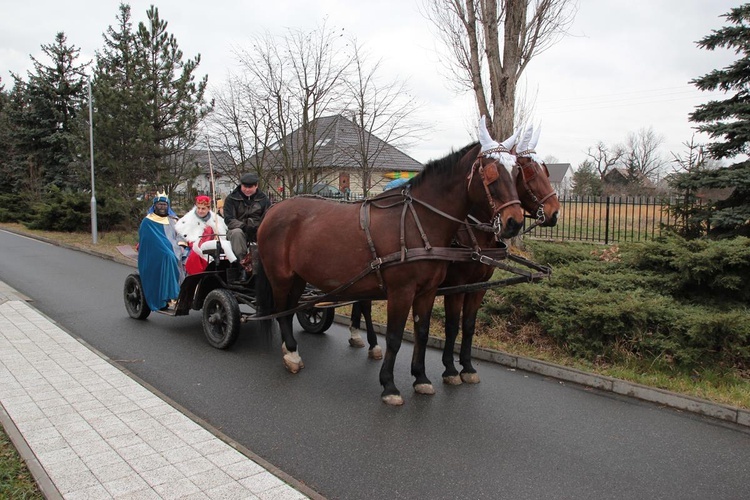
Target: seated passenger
point(200, 228)
point(159, 256)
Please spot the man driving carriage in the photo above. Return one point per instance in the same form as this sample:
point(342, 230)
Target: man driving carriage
point(244, 209)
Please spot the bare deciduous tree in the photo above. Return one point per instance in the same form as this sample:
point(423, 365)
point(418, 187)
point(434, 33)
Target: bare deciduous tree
point(642, 158)
point(381, 111)
point(270, 117)
point(602, 158)
point(294, 79)
point(470, 31)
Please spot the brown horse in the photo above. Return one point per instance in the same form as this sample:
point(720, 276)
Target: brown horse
point(392, 246)
point(539, 199)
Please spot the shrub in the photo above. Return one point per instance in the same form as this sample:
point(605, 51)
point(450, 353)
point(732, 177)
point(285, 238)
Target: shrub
point(61, 210)
point(672, 300)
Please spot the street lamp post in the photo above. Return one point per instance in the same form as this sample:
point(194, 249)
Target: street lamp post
point(93, 191)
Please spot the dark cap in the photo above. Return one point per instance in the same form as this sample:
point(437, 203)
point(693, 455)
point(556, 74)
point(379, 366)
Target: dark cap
point(249, 179)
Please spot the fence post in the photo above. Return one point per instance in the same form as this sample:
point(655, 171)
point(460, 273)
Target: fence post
point(606, 225)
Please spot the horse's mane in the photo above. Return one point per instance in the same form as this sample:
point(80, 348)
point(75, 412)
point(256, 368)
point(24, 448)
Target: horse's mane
point(443, 166)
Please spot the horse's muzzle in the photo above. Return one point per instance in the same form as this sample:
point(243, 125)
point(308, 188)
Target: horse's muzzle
point(511, 228)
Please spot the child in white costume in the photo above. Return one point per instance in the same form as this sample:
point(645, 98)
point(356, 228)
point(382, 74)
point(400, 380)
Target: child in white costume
point(192, 225)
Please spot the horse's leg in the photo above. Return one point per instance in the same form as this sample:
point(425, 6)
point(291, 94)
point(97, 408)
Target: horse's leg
point(374, 352)
point(292, 360)
point(422, 310)
point(355, 339)
point(398, 313)
point(472, 302)
point(453, 305)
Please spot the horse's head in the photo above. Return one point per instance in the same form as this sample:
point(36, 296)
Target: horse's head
point(537, 195)
point(491, 182)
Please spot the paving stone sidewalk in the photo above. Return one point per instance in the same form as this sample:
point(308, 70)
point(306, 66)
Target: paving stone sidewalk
point(87, 430)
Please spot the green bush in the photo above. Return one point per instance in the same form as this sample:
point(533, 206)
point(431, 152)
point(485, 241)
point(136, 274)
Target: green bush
point(701, 269)
point(670, 300)
point(13, 207)
point(60, 210)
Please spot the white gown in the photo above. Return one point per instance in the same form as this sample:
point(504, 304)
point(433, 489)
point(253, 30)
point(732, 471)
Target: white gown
point(190, 227)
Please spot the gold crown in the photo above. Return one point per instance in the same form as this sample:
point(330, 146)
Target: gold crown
point(161, 196)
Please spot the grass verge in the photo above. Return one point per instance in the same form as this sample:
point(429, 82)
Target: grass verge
point(15, 479)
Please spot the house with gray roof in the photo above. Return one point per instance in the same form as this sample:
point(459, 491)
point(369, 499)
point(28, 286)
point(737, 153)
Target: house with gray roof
point(337, 152)
point(221, 161)
point(561, 177)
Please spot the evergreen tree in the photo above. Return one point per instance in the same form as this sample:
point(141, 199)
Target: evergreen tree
point(47, 133)
point(586, 180)
point(176, 102)
point(148, 109)
point(122, 156)
point(727, 122)
point(5, 142)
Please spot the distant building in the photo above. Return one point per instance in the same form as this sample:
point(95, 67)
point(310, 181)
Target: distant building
point(561, 177)
point(338, 157)
point(201, 183)
point(617, 181)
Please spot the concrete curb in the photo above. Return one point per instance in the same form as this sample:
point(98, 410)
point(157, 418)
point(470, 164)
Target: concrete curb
point(37, 471)
point(663, 397)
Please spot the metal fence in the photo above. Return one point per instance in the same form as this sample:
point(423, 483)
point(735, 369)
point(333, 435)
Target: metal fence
point(609, 219)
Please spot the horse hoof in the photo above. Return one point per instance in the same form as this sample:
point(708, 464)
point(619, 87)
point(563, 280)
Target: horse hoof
point(393, 400)
point(426, 389)
point(375, 353)
point(356, 342)
point(470, 378)
point(452, 380)
point(284, 350)
point(292, 362)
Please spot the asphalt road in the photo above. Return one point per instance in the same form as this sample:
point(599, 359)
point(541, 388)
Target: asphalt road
point(516, 435)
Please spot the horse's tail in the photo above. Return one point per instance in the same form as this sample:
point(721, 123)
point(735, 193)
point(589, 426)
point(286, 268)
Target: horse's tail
point(263, 293)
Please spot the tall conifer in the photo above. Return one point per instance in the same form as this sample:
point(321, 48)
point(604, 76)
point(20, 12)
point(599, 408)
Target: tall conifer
point(727, 122)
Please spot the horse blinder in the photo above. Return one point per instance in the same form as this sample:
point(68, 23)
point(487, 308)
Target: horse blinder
point(489, 173)
point(528, 172)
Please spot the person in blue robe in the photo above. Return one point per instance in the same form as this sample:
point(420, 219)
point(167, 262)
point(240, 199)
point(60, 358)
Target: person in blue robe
point(160, 256)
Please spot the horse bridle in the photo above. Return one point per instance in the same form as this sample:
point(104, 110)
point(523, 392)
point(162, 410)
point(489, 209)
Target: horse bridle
point(540, 217)
point(489, 174)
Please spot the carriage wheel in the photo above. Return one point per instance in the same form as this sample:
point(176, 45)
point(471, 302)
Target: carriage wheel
point(135, 301)
point(221, 318)
point(315, 319)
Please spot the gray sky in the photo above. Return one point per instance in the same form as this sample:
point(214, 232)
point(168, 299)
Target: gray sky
point(625, 66)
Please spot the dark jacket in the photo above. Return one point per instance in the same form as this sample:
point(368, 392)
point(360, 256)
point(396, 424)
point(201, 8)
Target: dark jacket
point(244, 212)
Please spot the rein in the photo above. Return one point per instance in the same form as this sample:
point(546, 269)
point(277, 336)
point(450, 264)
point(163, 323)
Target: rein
point(488, 174)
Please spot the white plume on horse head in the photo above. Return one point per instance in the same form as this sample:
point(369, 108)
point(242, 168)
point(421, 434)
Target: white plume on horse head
point(488, 143)
point(484, 136)
point(531, 146)
point(535, 139)
point(523, 144)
